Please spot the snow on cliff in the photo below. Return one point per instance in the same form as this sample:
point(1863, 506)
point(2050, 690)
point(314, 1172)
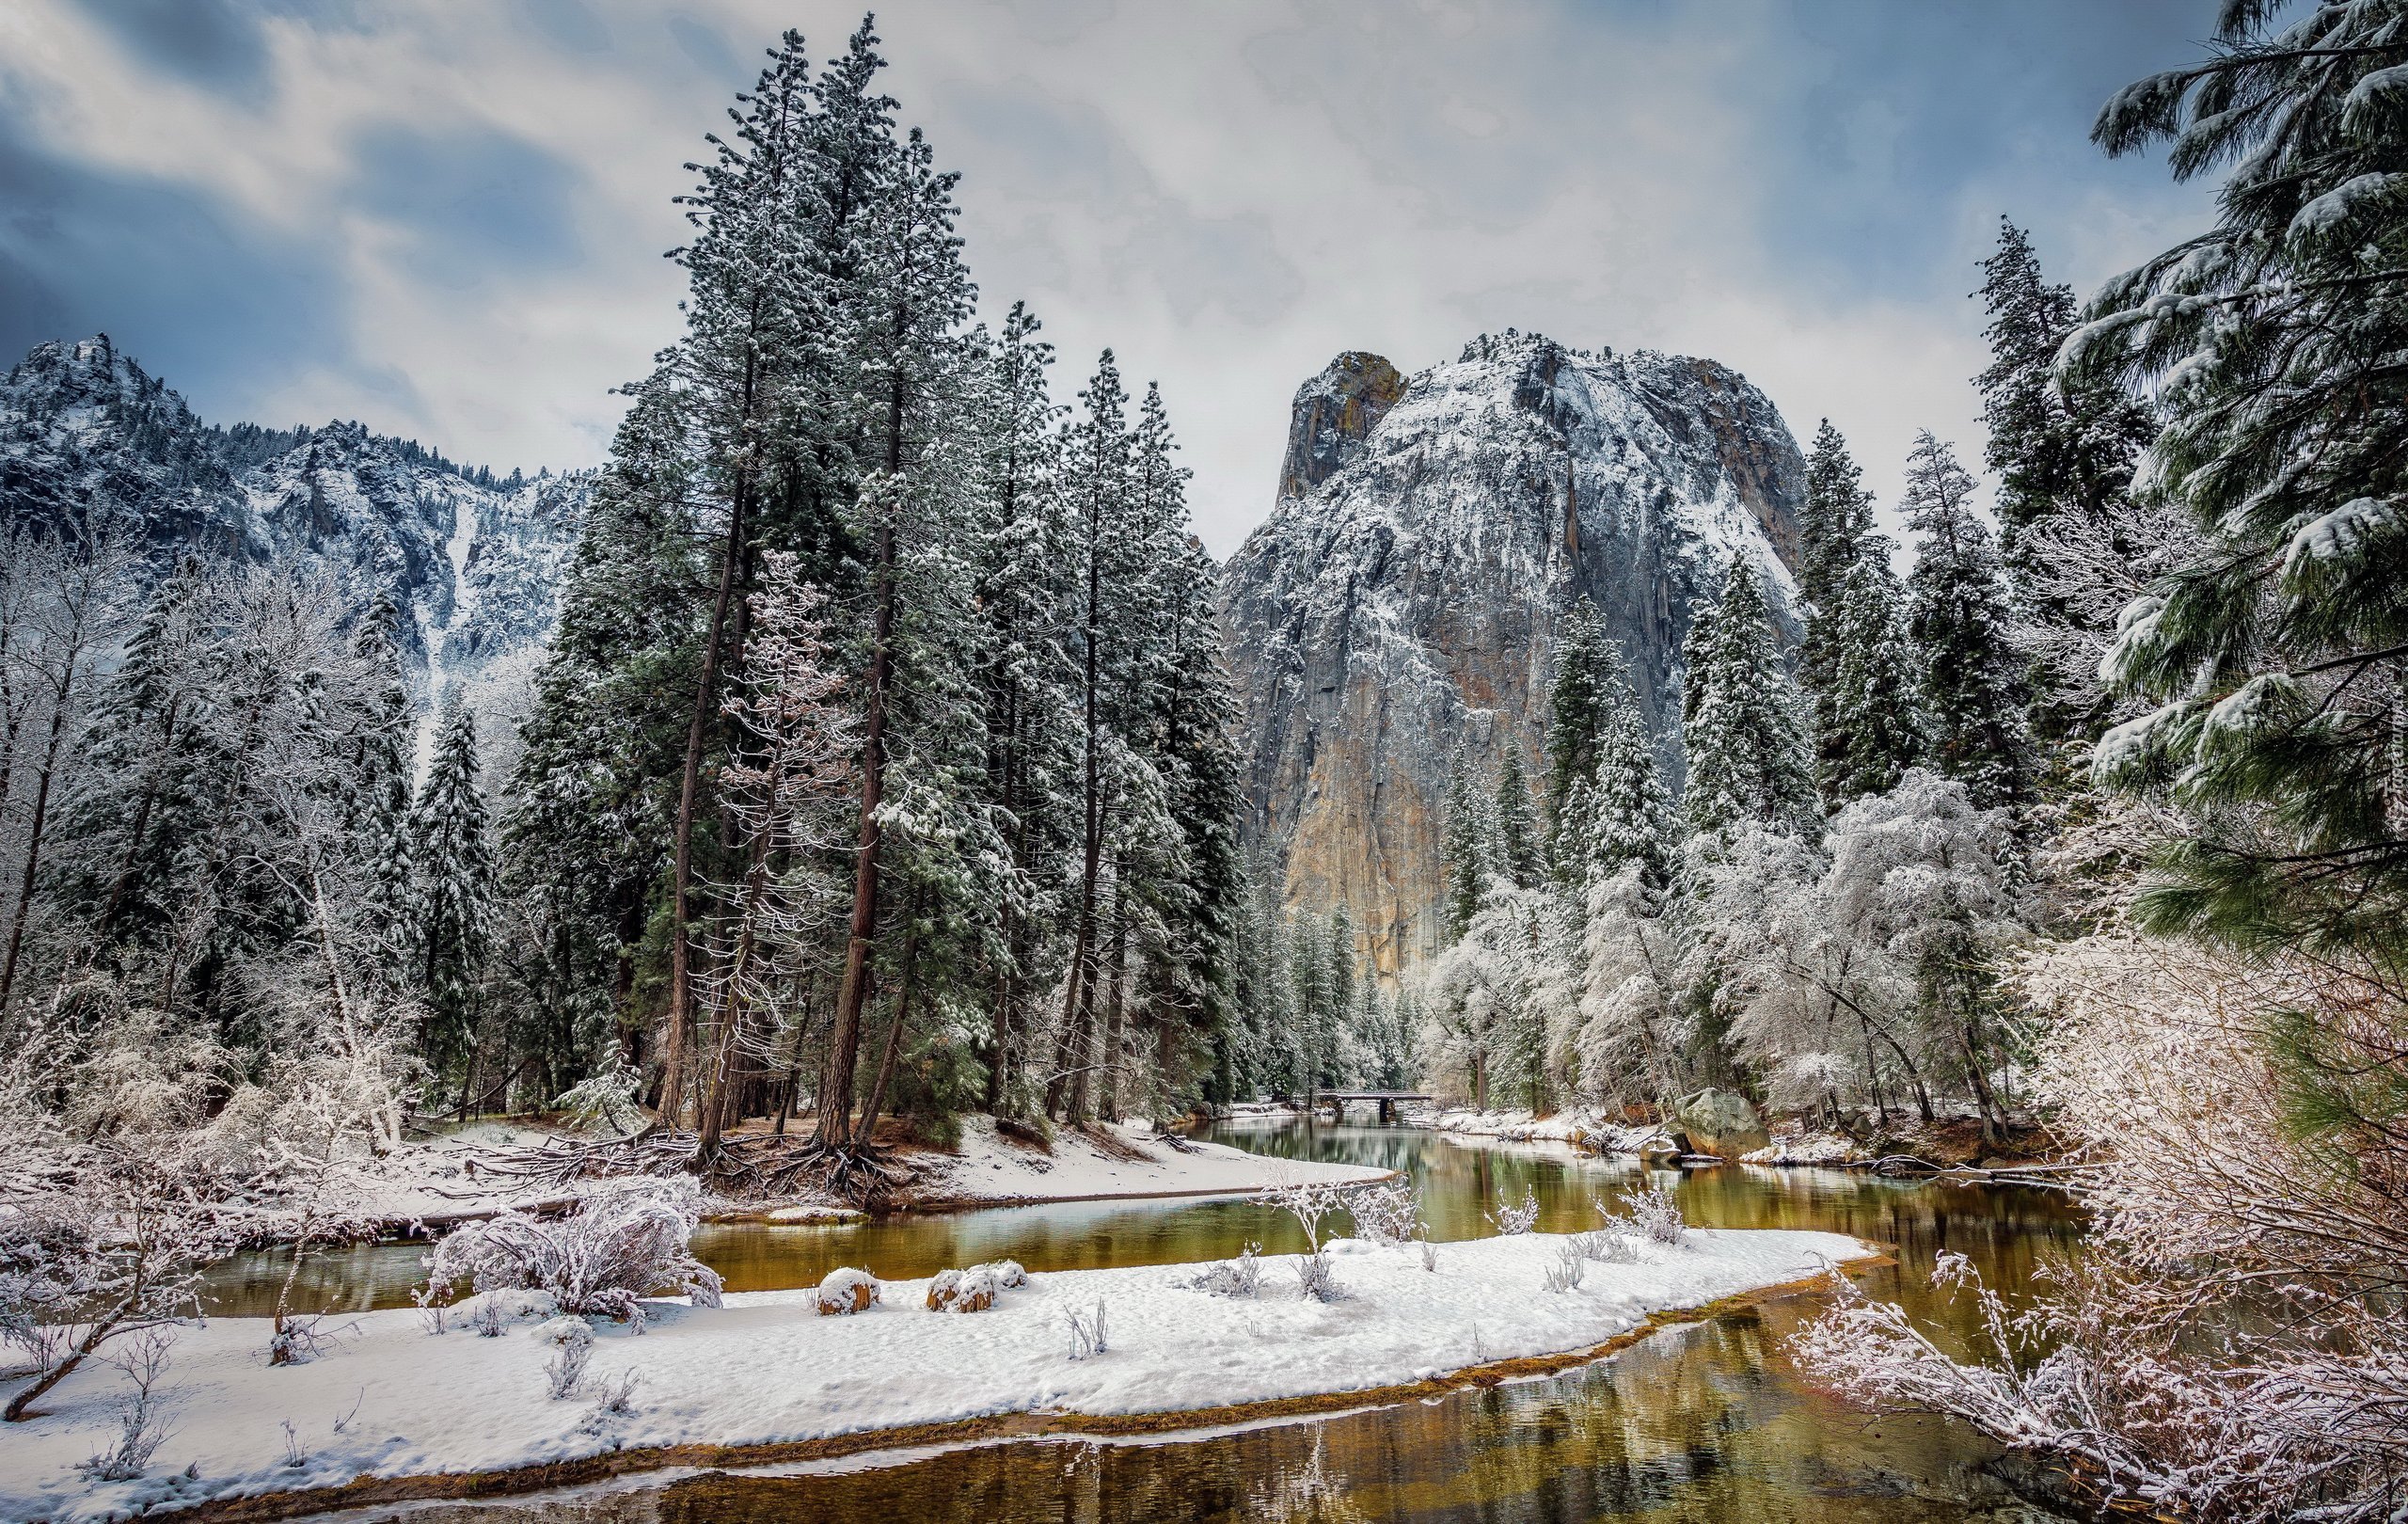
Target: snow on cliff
point(1398, 610)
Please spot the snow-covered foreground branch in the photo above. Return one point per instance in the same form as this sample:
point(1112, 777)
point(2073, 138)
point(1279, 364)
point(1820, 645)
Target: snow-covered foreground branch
point(389, 1399)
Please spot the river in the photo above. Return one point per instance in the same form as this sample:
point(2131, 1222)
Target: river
point(1703, 1422)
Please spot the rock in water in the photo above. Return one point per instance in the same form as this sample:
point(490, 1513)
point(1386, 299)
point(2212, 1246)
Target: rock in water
point(1724, 1123)
point(1398, 610)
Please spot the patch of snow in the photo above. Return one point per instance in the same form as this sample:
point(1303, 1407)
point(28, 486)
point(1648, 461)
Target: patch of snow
point(992, 1168)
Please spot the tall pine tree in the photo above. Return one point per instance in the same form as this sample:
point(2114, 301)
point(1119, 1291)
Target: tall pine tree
point(1957, 619)
point(1741, 719)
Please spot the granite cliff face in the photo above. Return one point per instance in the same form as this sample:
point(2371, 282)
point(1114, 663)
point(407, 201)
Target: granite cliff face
point(472, 561)
point(1398, 610)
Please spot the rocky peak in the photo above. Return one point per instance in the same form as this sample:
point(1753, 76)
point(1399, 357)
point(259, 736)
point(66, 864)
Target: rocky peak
point(1332, 414)
point(1397, 612)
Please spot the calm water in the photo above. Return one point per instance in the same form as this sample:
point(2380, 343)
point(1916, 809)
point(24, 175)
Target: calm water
point(1704, 1423)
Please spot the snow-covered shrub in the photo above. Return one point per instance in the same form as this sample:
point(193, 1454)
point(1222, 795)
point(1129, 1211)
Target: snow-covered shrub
point(1240, 1276)
point(1428, 1254)
point(1311, 1206)
point(1387, 1213)
point(1087, 1333)
point(434, 1308)
point(846, 1292)
point(963, 1290)
point(1568, 1267)
point(572, 1341)
point(1511, 1219)
point(1656, 1215)
point(1316, 1277)
point(1008, 1274)
point(605, 1102)
point(142, 1426)
point(487, 1317)
point(615, 1249)
point(1606, 1245)
point(615, 1398)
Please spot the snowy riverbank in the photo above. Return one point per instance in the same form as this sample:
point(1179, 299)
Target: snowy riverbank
point(1581, 1127)
point(993, 1170)
point(391, 1401)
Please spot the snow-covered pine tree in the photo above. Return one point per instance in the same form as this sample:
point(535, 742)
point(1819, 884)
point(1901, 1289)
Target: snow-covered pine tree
point(1469, 851)
point(1740, 719)
point(1874, 727)
point(1632, 820)
point(1837, 516)
point(2056, 445)
point(2277, 657)
point(1585, 664)
point(449, 916)
point(1956, 617)
point(1520, 851)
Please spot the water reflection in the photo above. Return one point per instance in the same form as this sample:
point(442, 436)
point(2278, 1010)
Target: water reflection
point(1704, 1423)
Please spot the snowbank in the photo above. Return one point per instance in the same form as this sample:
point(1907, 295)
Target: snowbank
point(1828, 1148)
point(1581, 1127)
point(394, 1401)
point(991, 1168)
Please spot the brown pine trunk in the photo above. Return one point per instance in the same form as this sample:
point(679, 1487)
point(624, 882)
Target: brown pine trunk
point(1108, 1071)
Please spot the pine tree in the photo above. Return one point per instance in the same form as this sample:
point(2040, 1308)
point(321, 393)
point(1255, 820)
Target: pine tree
point(1469, 851)
point(2055, 447)
point(1519, 851)
point(2275, 658)
point(1633, 816)
point(1837, 518)
point(1748, 758)
point(1585, 664)
point(449, 916)
point(1876, 728)
point(1958, 620)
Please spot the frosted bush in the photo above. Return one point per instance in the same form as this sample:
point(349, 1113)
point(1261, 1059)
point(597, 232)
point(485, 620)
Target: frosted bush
point(1607, 1246)
point(1428, 1254)
point(963, 1290)
point(565, 1371)
point(1387, 1213)
point(1316, 1278)
point(1007, 1274)
point(1087, 1335)
point(488, 1318)
point(1658, 1217)
point(602, 1259)
point(846, 1292)
point(1240, 1276)
point(142, 1426)
point(1568, 1267)
point(604, 1103)
point(1511, 1219)
point(613, 1399)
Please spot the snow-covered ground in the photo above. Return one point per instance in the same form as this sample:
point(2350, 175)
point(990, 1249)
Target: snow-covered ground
point(1582, 1127)
point(992, 1169)
point(391, 1400)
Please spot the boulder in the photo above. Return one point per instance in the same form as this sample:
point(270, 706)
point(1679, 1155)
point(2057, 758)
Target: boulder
point(1722, 1122)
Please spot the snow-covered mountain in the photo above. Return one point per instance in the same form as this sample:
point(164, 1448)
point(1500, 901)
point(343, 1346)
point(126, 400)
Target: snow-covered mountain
point(473, 560)
point(1398, 610)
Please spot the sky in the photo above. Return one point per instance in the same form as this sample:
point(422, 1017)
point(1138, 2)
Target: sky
point(448, 220)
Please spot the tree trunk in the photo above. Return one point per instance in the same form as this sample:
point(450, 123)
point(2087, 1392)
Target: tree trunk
point(698, 726)
point(876, 1104)
point(1108, 1071)
point(33, 840)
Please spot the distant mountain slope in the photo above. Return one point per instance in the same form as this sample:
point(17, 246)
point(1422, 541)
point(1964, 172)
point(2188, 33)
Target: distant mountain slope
point(1398, 610)
point(473, 560)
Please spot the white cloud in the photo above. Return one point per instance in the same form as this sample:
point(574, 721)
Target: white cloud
point(1226, 195)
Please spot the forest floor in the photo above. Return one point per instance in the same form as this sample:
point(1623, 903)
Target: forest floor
point(390, 1410)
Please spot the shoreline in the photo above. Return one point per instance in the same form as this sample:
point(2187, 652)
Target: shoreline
point(1010, 1427)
